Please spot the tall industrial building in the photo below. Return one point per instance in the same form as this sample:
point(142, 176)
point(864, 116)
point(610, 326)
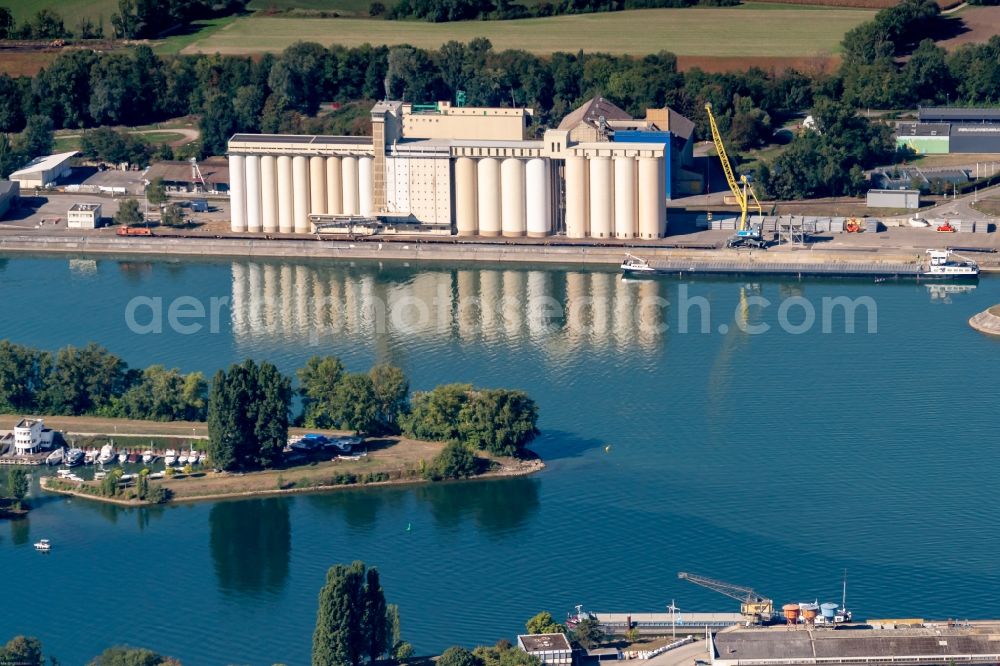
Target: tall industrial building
point(441, 169)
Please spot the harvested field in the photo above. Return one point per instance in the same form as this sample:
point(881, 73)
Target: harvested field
point(978, 24)
point(25, 63)
point(806, 32)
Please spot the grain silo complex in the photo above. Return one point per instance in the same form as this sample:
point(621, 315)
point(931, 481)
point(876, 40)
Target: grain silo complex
point(473, 172)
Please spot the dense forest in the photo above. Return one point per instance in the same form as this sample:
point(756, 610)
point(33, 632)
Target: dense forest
point(83, 89)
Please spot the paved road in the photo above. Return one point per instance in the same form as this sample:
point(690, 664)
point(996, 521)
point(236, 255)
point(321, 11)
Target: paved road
point(189, 135)
point(682, 656)
point(960, 209)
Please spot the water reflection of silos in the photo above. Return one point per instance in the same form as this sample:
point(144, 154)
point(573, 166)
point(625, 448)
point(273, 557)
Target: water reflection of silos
point(489, 293)
point(539, 302)
point(237, 309)
point(368, 302)
point(577, 306)
point(624, 318)
point(601, 288)
point(319, 304)
point(287, 300)
point(255, 287)
point(513, 303)
point(649, 313)
point(306, 326)
point(334, 305)
point(268, 295)
point(467, 304)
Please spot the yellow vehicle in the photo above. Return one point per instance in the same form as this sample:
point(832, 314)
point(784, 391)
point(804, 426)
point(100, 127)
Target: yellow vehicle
point(746, 233)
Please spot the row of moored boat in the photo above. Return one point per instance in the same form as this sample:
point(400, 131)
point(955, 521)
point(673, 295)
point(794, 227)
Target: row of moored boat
point(107, 455)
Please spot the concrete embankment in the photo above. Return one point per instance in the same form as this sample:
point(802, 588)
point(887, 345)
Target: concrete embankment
point(534, 253)
point(987, 321)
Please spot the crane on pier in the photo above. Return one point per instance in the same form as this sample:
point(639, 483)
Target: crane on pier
point(746, 233)
point(755, 608)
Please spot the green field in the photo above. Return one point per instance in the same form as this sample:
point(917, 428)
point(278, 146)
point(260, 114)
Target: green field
point(708, 32)
point(353, 7)
point(71, 10)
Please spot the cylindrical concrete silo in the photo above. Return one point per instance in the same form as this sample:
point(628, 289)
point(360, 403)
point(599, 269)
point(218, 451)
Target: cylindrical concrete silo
point(334, 187)
point(538, 195)
point(300, 194)
point(576, 197)
point(488, 192)
point(626, 224)
point(237, 193)
point(349, 166)
point(317, 185)
point(286, 209)
point(602, 192)
point(366, 192)
point(253, 193)
point(465, 197)
point(651, 204)
point(269, 193)
point(512, 221)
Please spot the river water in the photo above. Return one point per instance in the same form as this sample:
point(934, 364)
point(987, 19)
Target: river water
point(776, 459)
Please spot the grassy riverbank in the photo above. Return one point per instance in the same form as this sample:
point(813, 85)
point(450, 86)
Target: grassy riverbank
point(386, 461)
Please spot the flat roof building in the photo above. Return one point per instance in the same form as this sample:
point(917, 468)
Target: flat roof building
point(83, 216)
point(550, 649)
point(44, 171)
point(31, 436)
point(893, 199)
point(951, 130)
point(211, 175)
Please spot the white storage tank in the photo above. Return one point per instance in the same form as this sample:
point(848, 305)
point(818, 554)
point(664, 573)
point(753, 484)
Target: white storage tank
point(286, 209)
point(626, 213)
point(334, 187)
point(601, 198)
point(512, 205)
point(237, 193)
point(349, 166)
point(538, 198)
point(300, 198)
point(488, 179)
point(576, 197)
point(465, 197)
point(366, 203)
point(651, 204)
point(317, 185)
point(269, 193)
point(253, 193)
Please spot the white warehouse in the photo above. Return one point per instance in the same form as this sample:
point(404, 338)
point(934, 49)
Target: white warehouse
point(441, 169)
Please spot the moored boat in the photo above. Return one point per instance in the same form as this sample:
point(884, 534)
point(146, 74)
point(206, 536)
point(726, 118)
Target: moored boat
point(43, 545)
point(56, 457)
point(170, 457)
point(107, 454)
point(73, 457)
point(122, 457)
point(147, 456)
point(182, 459)
point(942, 267)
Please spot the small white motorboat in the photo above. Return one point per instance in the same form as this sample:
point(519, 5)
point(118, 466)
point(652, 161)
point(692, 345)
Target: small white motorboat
point(192, 457)
point(43, 545)
point(90, 457)
point(107, 454)
point(74, 457)
point(170, 457)
point(182, 459)
point(918, 222)
point(55, 458)
point(147, 456)
point(122, 457)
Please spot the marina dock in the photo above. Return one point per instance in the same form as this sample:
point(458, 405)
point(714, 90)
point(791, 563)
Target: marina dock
point(665, 622)
point(874, 269)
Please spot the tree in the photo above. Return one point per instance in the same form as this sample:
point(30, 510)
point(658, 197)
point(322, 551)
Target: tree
point(126, 656)
point(7, 23)
point(248, 416)
point(434, 414)
point(156, 192)
point(457, 656)
point(11, 106)
point(10, 158)
point(129, 213)
point(22, 377)
point(218, 123)
point(165, 395)
point(587, 633)
point(376, 8)
point(455, 461)
point(173, 216)
point(318, 381)
point(22, 650)
point(17, 486)
point(37, 138)
point(45, 24)
point(392, 392)
point(342, 624)
point(375, 620)
point(83, 380)
point(355, 405)
point(499, 421)
point(544, 624)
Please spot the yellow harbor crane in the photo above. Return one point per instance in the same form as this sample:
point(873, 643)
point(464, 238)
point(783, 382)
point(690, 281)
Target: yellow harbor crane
point(755, 607)
point(746, 233)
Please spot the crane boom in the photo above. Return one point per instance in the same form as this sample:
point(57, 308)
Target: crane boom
point(741, 194)
point(752, 604)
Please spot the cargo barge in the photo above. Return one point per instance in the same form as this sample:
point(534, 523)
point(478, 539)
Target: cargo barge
point(939, 267)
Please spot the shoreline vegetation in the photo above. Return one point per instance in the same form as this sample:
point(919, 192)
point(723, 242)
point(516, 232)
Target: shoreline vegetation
point(453, 431)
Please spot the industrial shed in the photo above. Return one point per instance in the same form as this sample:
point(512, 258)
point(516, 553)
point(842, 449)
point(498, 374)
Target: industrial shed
point(8, 195)
point(893, 199)
point(44, 171)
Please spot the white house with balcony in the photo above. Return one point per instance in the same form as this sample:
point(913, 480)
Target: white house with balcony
point(31, 436)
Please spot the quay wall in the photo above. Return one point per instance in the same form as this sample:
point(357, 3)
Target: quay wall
point(423, 251)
